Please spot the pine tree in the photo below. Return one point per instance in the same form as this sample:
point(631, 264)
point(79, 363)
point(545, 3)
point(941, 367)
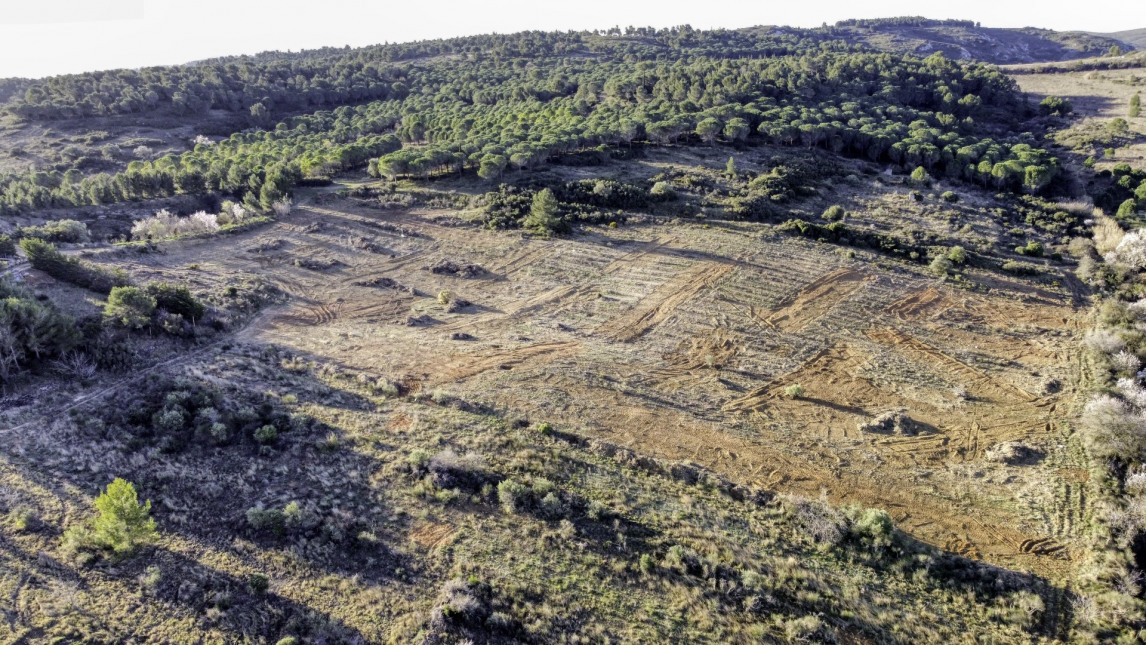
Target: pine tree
point(730, 168)
point(1135, 105)
point(123, 523)
point(543, 213)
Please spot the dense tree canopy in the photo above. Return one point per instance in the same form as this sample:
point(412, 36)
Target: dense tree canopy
point(498, 104)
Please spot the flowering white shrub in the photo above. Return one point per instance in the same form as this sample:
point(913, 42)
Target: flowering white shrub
point(1137, 310)
point(1105, 341)
point(1124, 361)
point(282, 207)
point(1131, 250)
point(1114, 427)
point(165, 224)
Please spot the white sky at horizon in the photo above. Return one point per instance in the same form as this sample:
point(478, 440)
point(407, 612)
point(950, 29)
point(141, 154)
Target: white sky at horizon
point(48, 37)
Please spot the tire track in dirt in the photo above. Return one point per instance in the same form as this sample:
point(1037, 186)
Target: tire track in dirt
point(632, 256)
point(663, 302)
point(930, 302)
point(470, 365)
point(520, 309)
point(815, 299)
point(522, 260)
point(927, 355)
point(430, 535)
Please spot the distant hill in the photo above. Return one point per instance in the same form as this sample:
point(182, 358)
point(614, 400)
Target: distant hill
point(1136, 37)
point(967, 39)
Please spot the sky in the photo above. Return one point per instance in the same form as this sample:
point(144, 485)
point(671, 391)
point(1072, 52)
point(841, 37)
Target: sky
point(45, 37)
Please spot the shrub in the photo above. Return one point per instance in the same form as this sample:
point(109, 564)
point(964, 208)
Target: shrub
point(663, 191)
point(418, 458)
point(176, 299)
point(949, 196)
point(647, 564)
point(258, 583)
point(545, 428)
point(1055, 105)
point(266, 519)
point(63, 231)
point(957, 255)
point(1032, 248)
point(122, 525)
point(920, 176)
point(282, 208)
point(512, 494)
point(940, 266)
point(794, 391)
point(1113, 429)
point(266, 434)
point(551, 505)
point(874, 526)
point(7, 247)
point(1131, 250)
point(131, 307)
point(833, 213)
point(1104, 341)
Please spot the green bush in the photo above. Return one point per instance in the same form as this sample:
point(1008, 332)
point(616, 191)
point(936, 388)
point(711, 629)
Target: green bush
point(833, 213)
point(949, 196)
point(269, 520)
point(7, 247)
point(176, 299)
point(65, 230)
point(512, 494)
point(47, 258)
point(258, 583)
point(30, 329)
point(131, 307)
point(647, 564)
point(940, 266)
point(267, 434)
point(957, 255)
point(874, 527)
point(920, 176)
point(1055, 105)
point(1126, 209)
point(1032, 248)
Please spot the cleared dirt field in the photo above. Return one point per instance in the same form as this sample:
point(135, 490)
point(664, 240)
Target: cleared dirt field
point(679, 340)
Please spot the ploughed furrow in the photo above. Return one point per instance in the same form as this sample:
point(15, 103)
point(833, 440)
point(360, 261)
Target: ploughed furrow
point(928, 355)
point(815, 299)
point(663, 302)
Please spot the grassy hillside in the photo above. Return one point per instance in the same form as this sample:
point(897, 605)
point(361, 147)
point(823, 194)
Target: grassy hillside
point(969, 40)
